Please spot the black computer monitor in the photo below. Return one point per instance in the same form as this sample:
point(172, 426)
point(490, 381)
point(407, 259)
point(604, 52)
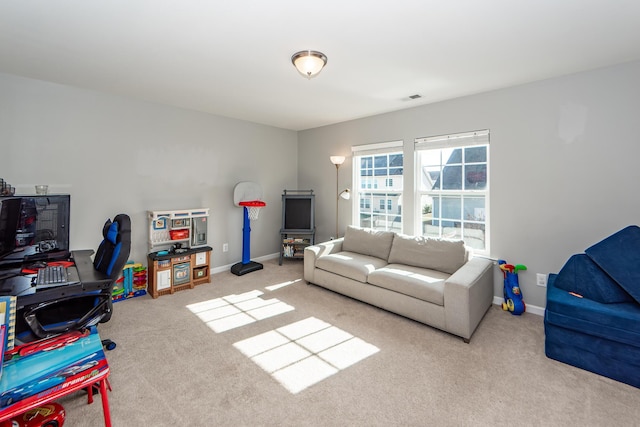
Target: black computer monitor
point(44, 223)
point(10, 208)
point(43, 226)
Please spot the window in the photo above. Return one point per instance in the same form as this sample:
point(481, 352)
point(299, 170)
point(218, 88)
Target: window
point(369, 183)
point(378, 176)
point(452, 173)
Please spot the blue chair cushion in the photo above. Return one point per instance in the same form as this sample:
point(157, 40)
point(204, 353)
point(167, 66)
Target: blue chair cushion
point(619, 256)
point(601, 338)
point(583, 276)
point(612, 359)
point(616, 322)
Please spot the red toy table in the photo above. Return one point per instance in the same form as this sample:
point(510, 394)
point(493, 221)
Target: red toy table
point(41, 372)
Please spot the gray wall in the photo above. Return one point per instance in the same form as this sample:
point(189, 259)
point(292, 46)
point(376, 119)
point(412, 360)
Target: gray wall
point(564, 163)
point(114, 154)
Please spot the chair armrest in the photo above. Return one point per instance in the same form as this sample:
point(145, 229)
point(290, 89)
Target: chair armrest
point(468, 293)
point(313, 252)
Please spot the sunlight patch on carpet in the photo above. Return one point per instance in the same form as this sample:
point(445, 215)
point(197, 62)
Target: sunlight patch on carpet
point(282, 285)
point(304, 353)
point(233, 311)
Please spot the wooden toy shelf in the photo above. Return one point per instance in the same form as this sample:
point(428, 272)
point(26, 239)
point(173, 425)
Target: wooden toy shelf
point(292, 244)
point(187, 226)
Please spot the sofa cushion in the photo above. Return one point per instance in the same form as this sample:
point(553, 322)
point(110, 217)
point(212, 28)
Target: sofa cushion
point(582, 276)
point(367, 241)
point(420, 283)
point(350, 264)
point(619, 256)
point(435, 254)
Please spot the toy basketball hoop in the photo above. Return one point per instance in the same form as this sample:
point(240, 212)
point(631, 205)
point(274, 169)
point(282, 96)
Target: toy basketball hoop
point(253, 208)
point(247, 195)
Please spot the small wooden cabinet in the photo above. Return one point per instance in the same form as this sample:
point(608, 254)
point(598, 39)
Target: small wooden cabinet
point(173, 272)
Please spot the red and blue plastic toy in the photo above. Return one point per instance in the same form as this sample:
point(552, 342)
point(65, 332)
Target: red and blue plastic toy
point(513, 301)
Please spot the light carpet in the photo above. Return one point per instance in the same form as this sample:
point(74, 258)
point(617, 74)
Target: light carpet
point(267, 349)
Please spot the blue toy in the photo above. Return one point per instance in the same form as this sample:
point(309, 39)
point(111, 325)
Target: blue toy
point(512, 294)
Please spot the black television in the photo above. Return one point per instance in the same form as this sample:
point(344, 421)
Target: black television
point(43, 225)
point(10, 208)
point(298, 207)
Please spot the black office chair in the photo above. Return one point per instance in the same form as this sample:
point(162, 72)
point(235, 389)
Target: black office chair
point(80, 311)
point(113, 252)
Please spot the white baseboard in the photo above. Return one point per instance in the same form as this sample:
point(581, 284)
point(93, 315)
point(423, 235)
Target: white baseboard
point(533, 309)
point(228, 266)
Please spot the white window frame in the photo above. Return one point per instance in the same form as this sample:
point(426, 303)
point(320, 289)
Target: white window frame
point(460, 140)
point(376, 191)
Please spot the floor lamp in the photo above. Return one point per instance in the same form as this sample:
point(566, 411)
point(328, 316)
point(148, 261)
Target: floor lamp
point(345, 194)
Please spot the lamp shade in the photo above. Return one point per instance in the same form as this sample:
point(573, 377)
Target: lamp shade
point(309, 62)
point(337, 160)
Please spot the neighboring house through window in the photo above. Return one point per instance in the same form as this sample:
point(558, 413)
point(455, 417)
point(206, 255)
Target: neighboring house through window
point(378, 170)
point(453, 188)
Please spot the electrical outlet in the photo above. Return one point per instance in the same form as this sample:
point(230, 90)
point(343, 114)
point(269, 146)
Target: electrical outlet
point(541, 280)
point(225, 247)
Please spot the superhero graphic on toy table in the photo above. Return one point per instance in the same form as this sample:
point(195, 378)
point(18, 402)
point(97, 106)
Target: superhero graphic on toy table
point(49, 366)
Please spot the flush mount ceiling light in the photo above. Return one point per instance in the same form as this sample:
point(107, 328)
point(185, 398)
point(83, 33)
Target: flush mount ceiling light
point(309, 62)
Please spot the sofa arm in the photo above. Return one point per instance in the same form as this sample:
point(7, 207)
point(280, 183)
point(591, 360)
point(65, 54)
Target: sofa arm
point(468, 293)
point(313, 252)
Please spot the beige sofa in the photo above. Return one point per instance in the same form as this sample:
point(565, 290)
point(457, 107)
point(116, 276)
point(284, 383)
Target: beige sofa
point(433, 281)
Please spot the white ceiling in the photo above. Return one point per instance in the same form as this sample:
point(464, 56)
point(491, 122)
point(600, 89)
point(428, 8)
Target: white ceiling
point(232, 58)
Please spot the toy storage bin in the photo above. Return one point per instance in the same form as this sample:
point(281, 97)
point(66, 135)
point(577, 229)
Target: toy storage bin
point(179, 234)
point(200, 272)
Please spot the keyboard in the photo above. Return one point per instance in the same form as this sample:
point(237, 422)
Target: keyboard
point(52, 275)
